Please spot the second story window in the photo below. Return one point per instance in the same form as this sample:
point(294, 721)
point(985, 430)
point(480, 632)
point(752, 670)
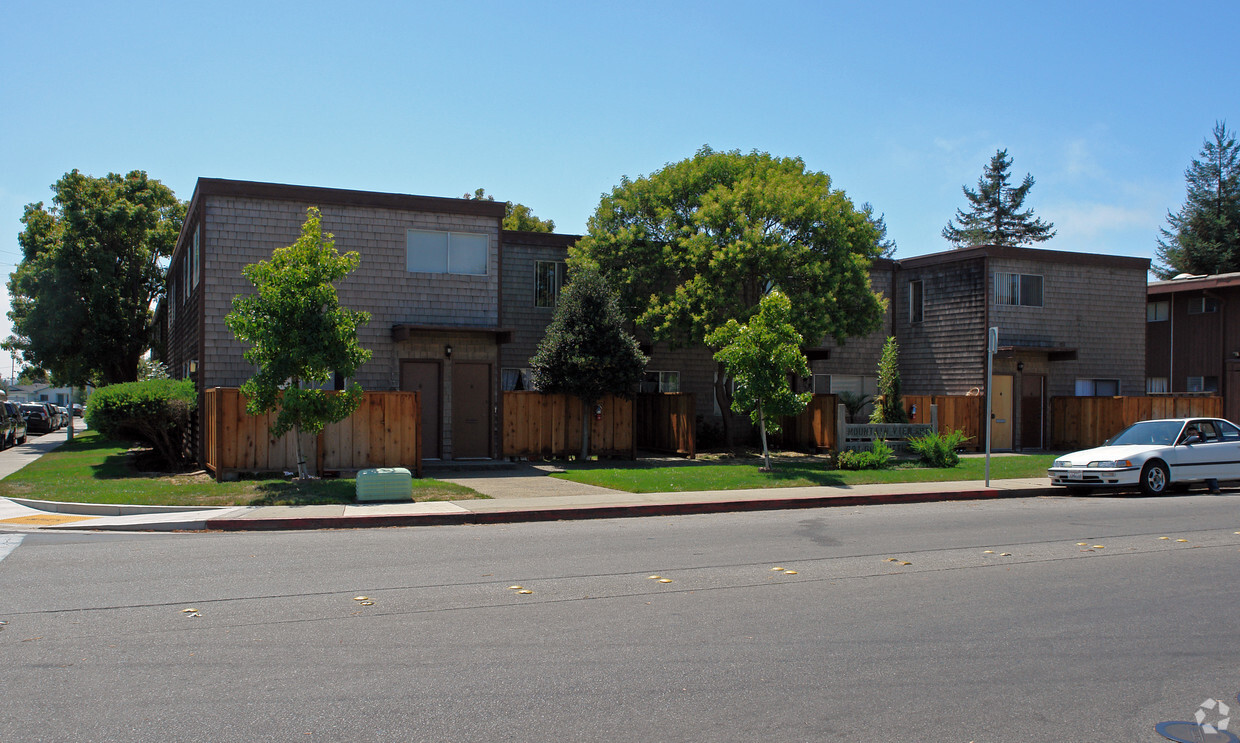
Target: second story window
point(433, 251)
point(1021, 289)
point(548, 280)
point(1158, 311)
point(916, 301)
point(1202, 305)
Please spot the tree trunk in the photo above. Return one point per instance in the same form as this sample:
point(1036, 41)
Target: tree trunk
point(766, 454)
point(724, 400)
point(302, 472)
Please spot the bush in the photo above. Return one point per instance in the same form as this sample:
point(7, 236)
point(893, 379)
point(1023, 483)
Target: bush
point(878, 457)
point(155, 412)
point(938, 450)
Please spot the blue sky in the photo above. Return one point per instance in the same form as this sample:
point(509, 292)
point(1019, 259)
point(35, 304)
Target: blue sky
point(549, 104)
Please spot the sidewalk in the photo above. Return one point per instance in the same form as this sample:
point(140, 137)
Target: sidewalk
point(526, 493)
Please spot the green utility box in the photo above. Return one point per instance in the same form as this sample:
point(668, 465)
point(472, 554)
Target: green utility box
point(384, 484)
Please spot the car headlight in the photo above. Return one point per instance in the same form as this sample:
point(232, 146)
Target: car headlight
point(1110, 464)
point(1062, 463)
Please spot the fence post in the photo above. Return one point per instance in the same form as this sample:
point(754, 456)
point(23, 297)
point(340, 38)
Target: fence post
point(841, 420)
point(934, 418)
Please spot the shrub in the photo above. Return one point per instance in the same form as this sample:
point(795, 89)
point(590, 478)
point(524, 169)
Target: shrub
point(878, 457)
point(155, 412)
point(938, 450)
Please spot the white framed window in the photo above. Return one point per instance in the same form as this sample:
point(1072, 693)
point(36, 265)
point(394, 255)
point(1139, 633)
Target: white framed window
point(1202, 384)
point(548, 280)
point(1020, 289)
point(1097, 387)
point(661, 381)
point(1202, 305)
point(916, 301)
point(435, 251)
point(1158, 311)
point(1156, 385)
point(516, 379)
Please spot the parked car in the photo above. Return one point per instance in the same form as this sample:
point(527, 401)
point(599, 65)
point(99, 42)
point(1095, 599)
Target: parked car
point(18, 435)
point(65, 416)
point(8, 427)
point(1155, 455)
point(78, 410)
point(52, 410)
point(38, 417)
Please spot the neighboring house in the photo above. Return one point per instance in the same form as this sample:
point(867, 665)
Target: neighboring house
point(1192, 333)
point(42, 393)
point(1069, 324)
point(458, 307)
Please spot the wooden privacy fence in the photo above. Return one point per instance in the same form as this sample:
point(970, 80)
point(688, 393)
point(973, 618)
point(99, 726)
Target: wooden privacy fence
point(814, 428)
point(540, 424)
point(665, 422)
point(956, 412)
point(384, 431)
point(1084, 422)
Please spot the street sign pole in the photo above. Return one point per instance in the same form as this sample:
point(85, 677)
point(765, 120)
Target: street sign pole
point(992, 346)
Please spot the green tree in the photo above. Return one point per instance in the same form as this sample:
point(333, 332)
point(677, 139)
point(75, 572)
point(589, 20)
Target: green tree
point(516, 216)
point(890, 408)
point(701, 241)
point(300, 335)
point(995, 216)
point(90, 271)
point(1204, 236)
point(586, 351)
point(760, 355)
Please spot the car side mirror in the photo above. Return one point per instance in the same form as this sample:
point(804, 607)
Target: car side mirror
point(1193, 438)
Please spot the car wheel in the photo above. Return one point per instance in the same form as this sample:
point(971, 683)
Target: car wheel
point(1155, 478)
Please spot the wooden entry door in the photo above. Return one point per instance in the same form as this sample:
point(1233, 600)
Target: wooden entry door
point(1231, 393)
point(471, 410)
point(424, 377)
point(1001, 411)
point(1032, 395)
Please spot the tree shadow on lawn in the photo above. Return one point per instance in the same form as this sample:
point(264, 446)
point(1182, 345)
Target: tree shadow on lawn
point(307, 493)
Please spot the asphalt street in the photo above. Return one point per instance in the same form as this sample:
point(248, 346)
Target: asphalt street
point(980, 621)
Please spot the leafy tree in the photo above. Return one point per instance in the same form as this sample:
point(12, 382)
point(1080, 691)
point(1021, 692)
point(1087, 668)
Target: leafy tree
point(890, 408)
point(886, 245)
point(586, 351)
point(1204, 236)
point(156, 412)
point(300, 335)
point(90, 271)
point(32, 375)
point(995, 216)
point(517, 216)
point(701, 241)
point(760, 355)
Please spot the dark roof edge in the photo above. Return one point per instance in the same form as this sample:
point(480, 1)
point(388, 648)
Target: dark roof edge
point(346, 197)
point(545, 239)
point(1027, 254)
point(1213, 281)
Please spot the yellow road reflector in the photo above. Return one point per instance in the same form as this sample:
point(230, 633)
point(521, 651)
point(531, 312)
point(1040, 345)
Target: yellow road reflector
point(1181, 540)
point(1164, 537)
point(47, 519)
point(1006, 554)
point(514, 588)
point(189, 610)
point(1098, 547)
point(906, 563)
point(988, 552)
point(653, 577)
point(665, 580)
point(365, 603)
point(1081, 544)
point(525, 590)
point(790, 572)
point(361, 598)
point(892, 559)
point(777, 568)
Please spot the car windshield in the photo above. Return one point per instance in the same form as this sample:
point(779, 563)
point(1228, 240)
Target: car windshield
point(1148, 433)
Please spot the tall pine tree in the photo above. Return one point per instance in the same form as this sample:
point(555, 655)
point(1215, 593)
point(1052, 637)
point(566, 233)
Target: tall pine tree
point(995, 216)
point(1204, 236)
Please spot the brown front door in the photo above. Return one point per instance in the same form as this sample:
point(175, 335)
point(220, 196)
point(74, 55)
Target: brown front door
point(1032, 393)
point(1001, 412)
point(471, 410)
point(1231, 393)
point(423, 377)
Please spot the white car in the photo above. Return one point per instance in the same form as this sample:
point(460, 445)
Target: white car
point(1155, 456)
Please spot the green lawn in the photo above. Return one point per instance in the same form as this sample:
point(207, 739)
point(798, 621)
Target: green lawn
point(92, 469)
point(689, 476)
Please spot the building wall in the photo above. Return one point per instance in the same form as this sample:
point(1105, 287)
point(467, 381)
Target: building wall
point(859, 356)
point(520, 252)
point(945, 353)
point(241, 231)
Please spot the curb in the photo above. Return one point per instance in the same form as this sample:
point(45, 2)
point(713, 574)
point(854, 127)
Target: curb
point(607, 512)
point(108, 509)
